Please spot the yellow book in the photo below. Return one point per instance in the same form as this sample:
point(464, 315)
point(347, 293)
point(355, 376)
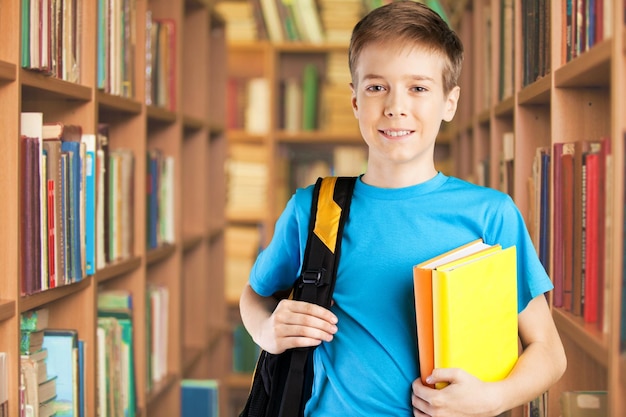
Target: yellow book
point(475, 314)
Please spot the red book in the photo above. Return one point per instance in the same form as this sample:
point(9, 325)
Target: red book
point(567, 196)
point(592, 220)
point(51, 236)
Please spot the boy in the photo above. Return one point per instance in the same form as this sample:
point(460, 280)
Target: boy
point(405, 63)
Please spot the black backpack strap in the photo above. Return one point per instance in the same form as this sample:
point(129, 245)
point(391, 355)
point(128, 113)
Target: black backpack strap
point(329, 211)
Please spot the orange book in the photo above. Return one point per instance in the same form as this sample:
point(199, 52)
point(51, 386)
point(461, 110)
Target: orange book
point(422, 276)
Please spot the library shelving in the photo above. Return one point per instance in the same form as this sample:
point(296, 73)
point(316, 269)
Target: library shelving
point(175, 248)
point(557, 82)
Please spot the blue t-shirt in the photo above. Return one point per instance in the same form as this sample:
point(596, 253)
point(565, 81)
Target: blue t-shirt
point(372, 360)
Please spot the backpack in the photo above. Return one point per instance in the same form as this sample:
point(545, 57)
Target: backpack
point(282, 383)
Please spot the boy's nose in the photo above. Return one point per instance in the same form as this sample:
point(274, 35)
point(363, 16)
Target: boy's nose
point(394, 107)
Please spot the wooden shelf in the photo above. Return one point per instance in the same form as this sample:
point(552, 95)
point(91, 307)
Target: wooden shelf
point(192, 242)
point(537, 92)
point(588, 337)
point(160, 388)
point(117, 269)
point(239, 381)
point(160, 115)
point(7, 71)
point(160, 254)
point(236, 136)
point(7, 309)
point(505, 107)
point(109, 102)
point(54, 88)
point(30, 302)
point(590, 69)
point(193, 123)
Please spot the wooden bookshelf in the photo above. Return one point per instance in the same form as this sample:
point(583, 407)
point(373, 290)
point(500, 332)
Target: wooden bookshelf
point(578, 99)
point(191, 132)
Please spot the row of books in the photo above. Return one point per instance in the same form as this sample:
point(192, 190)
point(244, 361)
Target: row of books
point(51, 37)
point(585, 23)
point(52, 368)
point(160, 199)
point(581, 222)
point(160, 62)
point(242, 244)
point(76, 197)
point(572, 404)
point(115, 366)
point(116, 46)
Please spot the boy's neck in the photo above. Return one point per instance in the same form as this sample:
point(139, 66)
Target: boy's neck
point(397, 177)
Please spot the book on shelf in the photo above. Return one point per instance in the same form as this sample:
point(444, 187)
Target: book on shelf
point(157, 329)
point(199, 397)
point(584, 403)
point(160, 207)
point(451, 331)
point(310, 97)
point(63, 362)
point(245, 351)
point(115, 366)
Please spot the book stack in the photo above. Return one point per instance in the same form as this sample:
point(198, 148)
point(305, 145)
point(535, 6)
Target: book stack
point(241, 25)
point(336, 108)
point(242, 247)
point(115, 367)
point(40, 385)
point(338, 19)
point(247, 181)
point(466, 311)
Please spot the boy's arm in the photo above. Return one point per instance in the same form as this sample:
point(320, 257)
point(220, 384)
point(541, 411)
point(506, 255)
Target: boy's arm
point(277, 325)
point(540, 365)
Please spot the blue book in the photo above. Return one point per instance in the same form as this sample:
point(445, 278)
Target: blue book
point(199, 398)
point(73, 215)
point(63, 361)
point(90, 203)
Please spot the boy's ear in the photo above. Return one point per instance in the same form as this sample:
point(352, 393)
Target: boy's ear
point(451, 103)
point(353, 100)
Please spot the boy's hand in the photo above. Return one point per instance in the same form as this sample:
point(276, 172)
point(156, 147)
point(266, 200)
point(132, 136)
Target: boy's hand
point(465, 396)
point(297, 324)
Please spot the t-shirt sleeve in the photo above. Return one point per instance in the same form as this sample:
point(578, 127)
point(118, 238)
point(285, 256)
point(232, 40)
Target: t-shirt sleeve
point(278, 265)
point(510, 229)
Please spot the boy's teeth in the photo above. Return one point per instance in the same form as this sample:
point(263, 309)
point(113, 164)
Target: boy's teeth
point(396, 133)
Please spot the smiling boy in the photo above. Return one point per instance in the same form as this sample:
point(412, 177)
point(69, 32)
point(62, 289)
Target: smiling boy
point(405, 63)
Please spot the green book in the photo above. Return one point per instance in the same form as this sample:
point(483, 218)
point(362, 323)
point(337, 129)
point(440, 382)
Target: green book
point(310, 89)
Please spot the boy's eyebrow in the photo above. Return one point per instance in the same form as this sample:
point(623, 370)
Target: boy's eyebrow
point(416, 77)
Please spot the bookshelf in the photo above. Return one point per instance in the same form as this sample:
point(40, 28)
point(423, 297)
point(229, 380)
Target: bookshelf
point(572, 97)
point(188, 259)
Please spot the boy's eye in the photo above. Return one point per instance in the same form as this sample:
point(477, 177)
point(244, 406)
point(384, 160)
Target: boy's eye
point(375, 88)
point(419, 89)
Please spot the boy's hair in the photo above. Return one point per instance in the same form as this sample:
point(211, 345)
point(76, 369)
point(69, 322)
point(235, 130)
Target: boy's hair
point(405, 22)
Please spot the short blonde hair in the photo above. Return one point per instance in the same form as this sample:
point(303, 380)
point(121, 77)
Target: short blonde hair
point(409, 22)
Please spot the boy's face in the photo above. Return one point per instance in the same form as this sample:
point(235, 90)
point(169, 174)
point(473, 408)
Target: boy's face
point(399, 100)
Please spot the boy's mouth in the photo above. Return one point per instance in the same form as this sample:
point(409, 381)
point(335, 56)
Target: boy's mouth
point(396, 133)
